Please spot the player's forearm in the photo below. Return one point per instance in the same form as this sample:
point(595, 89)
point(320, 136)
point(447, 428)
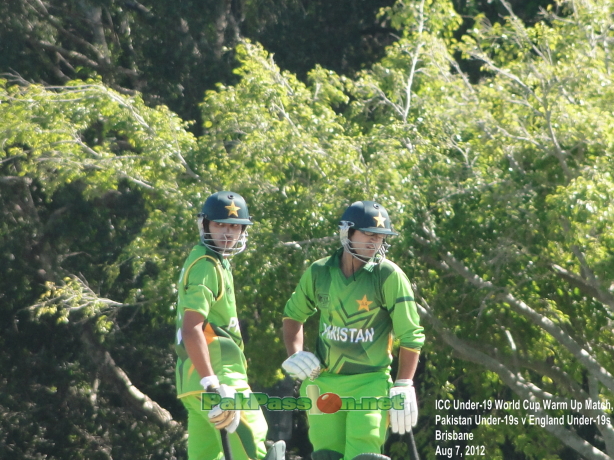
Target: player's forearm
point(198, 351)
point(293, 336)
point(408, 362)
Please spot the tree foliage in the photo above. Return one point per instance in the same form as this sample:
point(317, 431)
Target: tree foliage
point(172, 52)
point(501, 190)
point(505, 261)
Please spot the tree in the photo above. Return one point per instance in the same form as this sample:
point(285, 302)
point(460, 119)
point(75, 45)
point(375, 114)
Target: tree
point(501, 190)
point(114, 185)
point(173, 52)
point(80, 167)
point(507, 180)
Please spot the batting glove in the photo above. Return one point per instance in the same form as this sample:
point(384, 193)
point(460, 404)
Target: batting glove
point(301, 365)
point(228, 419)
point(401, 420)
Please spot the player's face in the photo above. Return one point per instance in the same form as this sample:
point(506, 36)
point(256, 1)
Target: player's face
point(366, 244)
point(224, 236)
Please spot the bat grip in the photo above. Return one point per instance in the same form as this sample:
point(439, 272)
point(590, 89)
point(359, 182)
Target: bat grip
point(225, 444)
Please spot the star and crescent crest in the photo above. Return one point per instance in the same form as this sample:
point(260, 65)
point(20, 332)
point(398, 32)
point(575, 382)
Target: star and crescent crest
point(380, 220)
point(232, 209)
point(363, 304)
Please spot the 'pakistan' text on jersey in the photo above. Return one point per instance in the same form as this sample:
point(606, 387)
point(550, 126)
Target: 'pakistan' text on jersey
point(206, 287)
point(358, 315)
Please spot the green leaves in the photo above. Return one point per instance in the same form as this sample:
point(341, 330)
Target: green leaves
point(501, 190)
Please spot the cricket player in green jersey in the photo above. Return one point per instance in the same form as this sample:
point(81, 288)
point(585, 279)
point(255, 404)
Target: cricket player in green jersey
point(364, 301)
point(208, 339)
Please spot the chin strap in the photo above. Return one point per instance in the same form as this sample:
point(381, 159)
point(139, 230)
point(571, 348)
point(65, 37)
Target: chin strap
point(205, 239)
point(377, 258)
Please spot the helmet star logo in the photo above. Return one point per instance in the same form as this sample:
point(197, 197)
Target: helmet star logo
point(232, 209)
point(381, 220)
point(363, 304)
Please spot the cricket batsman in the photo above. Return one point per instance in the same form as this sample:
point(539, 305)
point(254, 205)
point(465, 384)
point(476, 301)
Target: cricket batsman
point(364, 301)
point(208, 339)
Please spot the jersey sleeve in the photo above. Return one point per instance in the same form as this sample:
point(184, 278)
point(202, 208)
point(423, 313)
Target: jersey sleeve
point(399, 299)
point(301, 304)
point(201, 284)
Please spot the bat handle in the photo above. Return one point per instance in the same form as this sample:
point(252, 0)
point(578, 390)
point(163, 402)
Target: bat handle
point(412, 445)
point(225, 444)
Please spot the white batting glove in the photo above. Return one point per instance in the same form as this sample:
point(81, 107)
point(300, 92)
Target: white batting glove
point(401, 420)
point(228, 419)
point(302, 365)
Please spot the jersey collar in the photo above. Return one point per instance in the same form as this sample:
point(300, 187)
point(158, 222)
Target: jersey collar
point(223, 260)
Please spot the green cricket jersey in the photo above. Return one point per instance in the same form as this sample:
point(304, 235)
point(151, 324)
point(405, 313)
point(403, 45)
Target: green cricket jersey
point(358, 315)
point(206, 286)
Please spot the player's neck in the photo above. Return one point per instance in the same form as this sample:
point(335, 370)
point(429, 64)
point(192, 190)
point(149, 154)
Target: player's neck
point(350, 264)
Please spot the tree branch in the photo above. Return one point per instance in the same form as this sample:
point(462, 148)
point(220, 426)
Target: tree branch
point(114, 375)
point(81, 58)
point(414, 63)
point(43, 13)
point(581, 354)
point(515, 381)
point(586, 286)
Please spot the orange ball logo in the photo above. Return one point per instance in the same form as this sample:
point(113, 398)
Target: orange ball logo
point(329, 403)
